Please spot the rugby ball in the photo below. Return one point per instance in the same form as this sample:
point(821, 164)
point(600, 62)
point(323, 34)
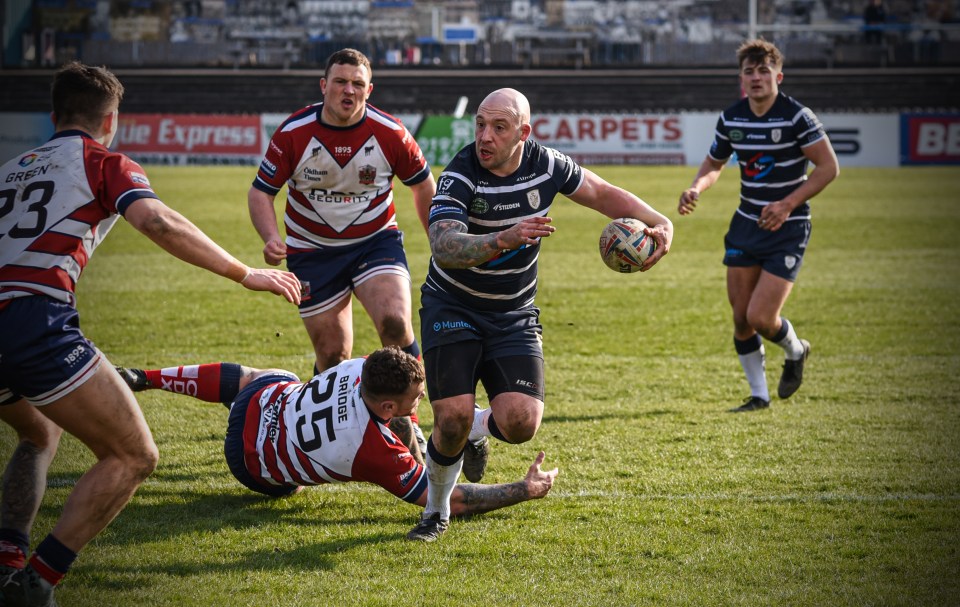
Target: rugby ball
point(624, 246)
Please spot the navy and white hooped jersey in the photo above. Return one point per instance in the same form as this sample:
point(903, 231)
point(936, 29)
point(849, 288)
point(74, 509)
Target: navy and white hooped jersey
point(769, 151)
point(57, 203)
point(487, 203)
point(339, 179)
point(318, 432)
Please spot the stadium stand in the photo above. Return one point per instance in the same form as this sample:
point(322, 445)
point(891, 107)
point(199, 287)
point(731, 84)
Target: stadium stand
point(241, 56)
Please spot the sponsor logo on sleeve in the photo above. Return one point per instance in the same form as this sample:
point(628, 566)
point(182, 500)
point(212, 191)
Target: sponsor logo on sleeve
point(439, 209)
point(268, 168)
point(405, 477)
point(138, 178)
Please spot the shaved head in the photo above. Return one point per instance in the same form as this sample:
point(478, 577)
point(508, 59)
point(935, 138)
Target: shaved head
point(508, 101)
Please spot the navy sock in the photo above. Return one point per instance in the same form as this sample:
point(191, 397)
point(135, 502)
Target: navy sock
point(440, 458)
point(52, 560)
point(229, 382)
point(748, 345)
point(413, 349)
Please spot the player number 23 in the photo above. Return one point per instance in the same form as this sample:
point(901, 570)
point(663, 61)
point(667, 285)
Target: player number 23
point(35, 196)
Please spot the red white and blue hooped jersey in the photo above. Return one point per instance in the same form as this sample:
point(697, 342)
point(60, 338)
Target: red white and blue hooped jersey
point(318, 432)
point(339, 179)
point(769, 151)
point(57, 203)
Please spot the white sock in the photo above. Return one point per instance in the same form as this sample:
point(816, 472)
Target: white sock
point(755, 367)
point(441, 481)
point(481, 424)
point(791, 343)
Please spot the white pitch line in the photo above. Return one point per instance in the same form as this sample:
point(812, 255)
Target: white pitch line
point(730, 497)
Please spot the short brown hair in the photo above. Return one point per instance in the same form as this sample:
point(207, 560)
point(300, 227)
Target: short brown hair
point(758, 51)
point(390, 371)
point(348, 56)
point(84, 94)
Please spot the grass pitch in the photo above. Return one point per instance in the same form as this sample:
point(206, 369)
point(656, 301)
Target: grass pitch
point(847, 494)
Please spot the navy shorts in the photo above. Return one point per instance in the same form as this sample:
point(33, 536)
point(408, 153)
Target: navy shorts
point(43, 354)
point(233, 443)
point(779, 253)
point(329, 274)
point(501, 335)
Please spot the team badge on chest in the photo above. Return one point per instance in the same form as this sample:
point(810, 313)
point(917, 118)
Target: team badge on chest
point(367, 174)
point(533, 197)
point(775, 134)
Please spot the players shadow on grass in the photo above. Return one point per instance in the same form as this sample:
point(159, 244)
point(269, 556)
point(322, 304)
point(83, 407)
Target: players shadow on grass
point(161, 515)
point(311, 557)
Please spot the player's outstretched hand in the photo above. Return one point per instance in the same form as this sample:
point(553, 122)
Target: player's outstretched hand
point(527, 232)
point(278, 282)
point(538, 481)
point(663, 234)
point(688, 201)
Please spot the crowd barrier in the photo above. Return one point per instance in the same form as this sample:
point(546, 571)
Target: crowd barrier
point(681, 138)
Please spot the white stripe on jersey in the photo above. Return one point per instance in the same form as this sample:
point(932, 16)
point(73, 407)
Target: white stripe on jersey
point(760, 125)
point(753, 217)
point(12, 290)
point(377, 211)
point(39, 259)
point(504, 272)
point(383, 120)
point(782, 184)
point(296, 124)
point(760, 146)
point(459, 176)
point(506, 222)
point(482, 295)
point(450, 201)
point(516, 187)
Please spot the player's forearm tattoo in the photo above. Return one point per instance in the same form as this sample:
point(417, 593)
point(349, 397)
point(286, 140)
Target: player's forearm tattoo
point(484, 498)
point(452, 247)
point(24, 482)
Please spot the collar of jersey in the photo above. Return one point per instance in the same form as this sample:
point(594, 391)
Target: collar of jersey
point(70, 133)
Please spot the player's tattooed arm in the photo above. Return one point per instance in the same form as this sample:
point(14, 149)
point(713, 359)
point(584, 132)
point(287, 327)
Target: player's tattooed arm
point(453, 247)
point(474, 499)
point(403, 428)
point(477, 499)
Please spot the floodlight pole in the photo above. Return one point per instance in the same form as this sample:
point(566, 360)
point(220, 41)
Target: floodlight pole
point(752, 30)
